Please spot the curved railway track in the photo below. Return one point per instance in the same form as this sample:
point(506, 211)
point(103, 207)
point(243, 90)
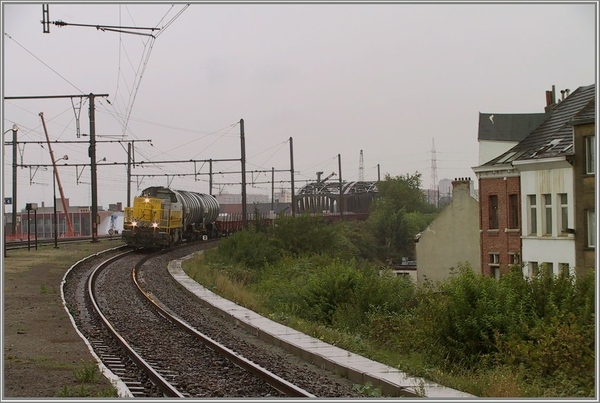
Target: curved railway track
point(171, 355)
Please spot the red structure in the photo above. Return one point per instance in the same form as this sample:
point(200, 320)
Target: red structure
point(500, 223)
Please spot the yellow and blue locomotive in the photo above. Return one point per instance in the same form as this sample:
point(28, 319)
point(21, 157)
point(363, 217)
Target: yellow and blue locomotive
point(161, 217)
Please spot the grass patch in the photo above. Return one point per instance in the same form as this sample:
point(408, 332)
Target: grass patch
point(88, 374)
point(40, 358)
point(21, 260)
point(368, 389)
point(213, 278)
point(89, 382)
point(85, 391)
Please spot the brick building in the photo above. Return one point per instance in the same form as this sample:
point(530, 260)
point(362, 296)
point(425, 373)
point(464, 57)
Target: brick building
point(499, 222)
point(499, 184)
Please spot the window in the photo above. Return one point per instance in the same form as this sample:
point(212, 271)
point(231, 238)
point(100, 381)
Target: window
point(513, 258)
point(549, 267)
point(564, 214)
point(513, 211)
point(533, 269)
point(564, 269)
point(590, 154)
point(532, 215)
point(547, 198)
point(591, 228)
point(495, 264)
point(493, 212)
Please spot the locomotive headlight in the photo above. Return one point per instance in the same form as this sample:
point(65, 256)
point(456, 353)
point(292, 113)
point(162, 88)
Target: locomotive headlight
point(154, 224)
point(147, 200)
point(133, 223)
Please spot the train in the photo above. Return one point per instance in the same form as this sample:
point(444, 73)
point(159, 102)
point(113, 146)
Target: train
point(162, 217)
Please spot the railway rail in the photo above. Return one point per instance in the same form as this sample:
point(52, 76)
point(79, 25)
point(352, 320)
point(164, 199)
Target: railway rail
point(170, 356)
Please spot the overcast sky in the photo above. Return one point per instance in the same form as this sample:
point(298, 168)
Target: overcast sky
point(388, 79)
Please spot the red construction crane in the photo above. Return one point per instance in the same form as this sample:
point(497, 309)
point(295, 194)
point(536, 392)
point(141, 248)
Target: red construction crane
point(70, 232)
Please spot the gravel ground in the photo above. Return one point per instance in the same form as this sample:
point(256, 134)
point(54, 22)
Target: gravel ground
point(43, 354)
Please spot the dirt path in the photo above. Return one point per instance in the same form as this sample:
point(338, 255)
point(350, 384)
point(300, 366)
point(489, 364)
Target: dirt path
point(43, 354)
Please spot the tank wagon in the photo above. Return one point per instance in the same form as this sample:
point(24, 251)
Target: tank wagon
point(162, 217)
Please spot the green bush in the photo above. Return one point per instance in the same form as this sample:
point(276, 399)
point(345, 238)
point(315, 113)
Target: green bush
point(529, 337)
point(542, 327)
point(304, 234)
point(250, 248)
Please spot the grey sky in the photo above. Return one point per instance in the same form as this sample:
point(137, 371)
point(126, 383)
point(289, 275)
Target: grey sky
point(382, 78)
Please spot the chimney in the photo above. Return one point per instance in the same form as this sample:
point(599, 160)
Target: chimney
point(567, 92)
point(548, 98)
point(119, 206)
point(461, 185)
point(562, 95)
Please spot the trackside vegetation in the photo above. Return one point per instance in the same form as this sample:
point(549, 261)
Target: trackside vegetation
point(513, 337)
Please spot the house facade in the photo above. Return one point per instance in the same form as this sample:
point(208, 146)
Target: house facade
point(547, 199)
point(548, 202)
point(452, 238)
point(499, 188)
point(553, 218)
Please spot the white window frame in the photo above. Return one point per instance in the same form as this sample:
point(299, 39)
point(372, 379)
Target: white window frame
point(532, 214)
point(591, 228)
point(549, 267)
point(547, 216)
point(590, 154)
point(563, 212)
point(534, 269)
point(494, 264)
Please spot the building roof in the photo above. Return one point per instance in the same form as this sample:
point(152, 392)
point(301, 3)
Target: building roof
point(508, 126)
point(587, 114)
point(554, 136)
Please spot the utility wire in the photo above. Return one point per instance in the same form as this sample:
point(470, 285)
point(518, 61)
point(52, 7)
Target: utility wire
point(172, 19)
point(41, 61)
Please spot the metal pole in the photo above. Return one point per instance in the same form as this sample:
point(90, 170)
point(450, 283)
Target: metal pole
point(3, 203)
point(340, 208)
point(243, 141)
point(210, 177)
point(128, 174)
point(273, 189)
point(14, 187)
point(28, 232)
point(92, 154)
point(292, 173)
point(35, 227)
point(55, 218)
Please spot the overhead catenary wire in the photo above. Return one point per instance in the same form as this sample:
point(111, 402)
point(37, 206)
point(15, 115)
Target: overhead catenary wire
point(44, 63)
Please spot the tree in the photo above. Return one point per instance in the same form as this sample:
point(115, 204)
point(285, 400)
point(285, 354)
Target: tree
point(399, 212)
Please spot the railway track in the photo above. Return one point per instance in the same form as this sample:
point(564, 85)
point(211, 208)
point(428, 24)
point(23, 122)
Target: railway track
point(167, 355)
point(24, 244)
